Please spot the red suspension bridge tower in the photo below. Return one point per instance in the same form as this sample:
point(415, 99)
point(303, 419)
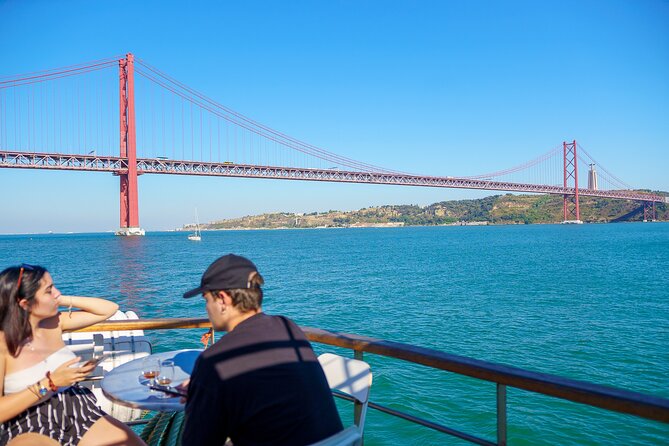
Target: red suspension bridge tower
point(571, 211)
point(128, 178)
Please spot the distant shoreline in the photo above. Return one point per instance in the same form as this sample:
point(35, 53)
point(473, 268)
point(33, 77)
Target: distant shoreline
point(111, 232)
point(493, 210)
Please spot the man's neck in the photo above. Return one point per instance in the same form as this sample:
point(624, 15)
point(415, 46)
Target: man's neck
point(241, 318)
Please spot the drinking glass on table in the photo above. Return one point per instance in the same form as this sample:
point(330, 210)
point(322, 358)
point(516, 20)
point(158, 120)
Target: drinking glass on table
point(150, 369)
point(166, 375)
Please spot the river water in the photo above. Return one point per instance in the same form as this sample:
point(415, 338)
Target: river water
point(588, 302)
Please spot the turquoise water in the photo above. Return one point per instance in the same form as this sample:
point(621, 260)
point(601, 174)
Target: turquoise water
point(588, 302)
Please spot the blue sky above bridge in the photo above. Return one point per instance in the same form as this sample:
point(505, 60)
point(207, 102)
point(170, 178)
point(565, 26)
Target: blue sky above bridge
point(449, 88)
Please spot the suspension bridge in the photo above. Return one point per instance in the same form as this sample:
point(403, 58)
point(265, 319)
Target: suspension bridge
point(122, 115)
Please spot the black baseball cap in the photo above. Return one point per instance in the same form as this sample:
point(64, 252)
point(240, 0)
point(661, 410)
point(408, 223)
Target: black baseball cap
point(229, 272)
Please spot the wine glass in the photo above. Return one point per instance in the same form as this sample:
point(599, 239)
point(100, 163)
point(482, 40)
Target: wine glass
point(150, 370)
point(166, 375)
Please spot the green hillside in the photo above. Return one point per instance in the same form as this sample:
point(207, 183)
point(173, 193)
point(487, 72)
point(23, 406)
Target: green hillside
point(498, 209)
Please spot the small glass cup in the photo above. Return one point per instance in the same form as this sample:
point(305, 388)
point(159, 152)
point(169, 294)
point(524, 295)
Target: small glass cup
point(150, 370)
point(166, 375)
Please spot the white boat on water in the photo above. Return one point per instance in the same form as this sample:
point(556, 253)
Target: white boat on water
point(197, 235)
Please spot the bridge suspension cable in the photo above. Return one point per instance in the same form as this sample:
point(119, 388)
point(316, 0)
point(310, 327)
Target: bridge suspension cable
point(551, 153)
point(56, 73)
point(554, 158)
point(610, 178)
point(249, 124)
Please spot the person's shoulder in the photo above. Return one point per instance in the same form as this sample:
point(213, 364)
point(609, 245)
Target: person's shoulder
point(278, 318)
point(273, 319)
point(287, 320)
point(285, 323)
point(3, 345)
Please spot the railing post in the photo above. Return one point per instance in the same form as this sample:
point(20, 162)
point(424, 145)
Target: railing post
point(357, 406)
point(501, 414)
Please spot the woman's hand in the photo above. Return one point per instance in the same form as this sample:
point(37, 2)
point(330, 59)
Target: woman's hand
point(183, 386)
point(65, 375)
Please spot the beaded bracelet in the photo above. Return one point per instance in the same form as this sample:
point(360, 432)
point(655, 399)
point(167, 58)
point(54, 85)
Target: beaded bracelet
point(33, 389)
point(38, 390)
point(52, 386)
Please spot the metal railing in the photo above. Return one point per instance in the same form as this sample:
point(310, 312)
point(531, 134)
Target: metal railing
point(609, 398)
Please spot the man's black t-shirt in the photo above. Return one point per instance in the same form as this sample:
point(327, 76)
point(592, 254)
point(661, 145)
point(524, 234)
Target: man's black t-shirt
point(260, 384)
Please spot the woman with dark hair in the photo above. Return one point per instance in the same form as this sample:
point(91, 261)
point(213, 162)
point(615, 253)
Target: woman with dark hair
point(41, 402)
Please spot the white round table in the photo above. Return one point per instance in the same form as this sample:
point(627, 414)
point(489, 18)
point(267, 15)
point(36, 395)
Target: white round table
point(125, 384)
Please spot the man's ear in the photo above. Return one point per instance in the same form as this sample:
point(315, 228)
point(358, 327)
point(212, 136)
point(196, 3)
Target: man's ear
point(224, 297)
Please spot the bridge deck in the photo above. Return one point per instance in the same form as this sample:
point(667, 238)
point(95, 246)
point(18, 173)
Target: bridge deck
point(118, 165)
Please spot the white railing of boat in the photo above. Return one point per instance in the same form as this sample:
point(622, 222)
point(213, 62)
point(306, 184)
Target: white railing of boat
point(609, 398)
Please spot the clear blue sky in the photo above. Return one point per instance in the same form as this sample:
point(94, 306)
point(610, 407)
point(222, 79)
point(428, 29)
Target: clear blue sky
point(449, 88)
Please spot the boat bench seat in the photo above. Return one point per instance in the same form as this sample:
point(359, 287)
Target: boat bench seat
point(123, 346)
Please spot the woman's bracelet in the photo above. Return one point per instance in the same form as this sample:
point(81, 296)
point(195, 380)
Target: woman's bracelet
point(33, 389)
point(52, 386)
point(38, 389)
point(69, 309)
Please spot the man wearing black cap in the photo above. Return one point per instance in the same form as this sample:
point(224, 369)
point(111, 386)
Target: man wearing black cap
point(261, 383)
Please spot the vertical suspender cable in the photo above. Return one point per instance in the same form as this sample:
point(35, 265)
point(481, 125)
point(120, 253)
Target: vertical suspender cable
point(111, 99)
point(3, 123)
point(78, 117)
point(17, 106)
point(162, 107)
point(183, 132)
point(153, 118)
point(173, 131)
point(85, 117)
point(58, 112)
point(29, 118)
point(72, 102)
point(39, 114)
point(99, 138)
point(45, 118)
point(16, 114)
point(192, 134)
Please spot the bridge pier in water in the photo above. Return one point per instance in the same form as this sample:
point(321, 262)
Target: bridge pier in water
point(649, 211)
point(129, 203)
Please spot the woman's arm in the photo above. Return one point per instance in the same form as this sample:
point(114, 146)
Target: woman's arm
point(14, 404)
point(93, 310)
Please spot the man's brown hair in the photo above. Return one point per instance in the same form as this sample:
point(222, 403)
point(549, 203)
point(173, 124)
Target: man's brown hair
point(247, 299)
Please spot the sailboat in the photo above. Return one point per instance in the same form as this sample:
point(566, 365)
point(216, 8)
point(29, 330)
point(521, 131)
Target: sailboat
point(196, 236)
